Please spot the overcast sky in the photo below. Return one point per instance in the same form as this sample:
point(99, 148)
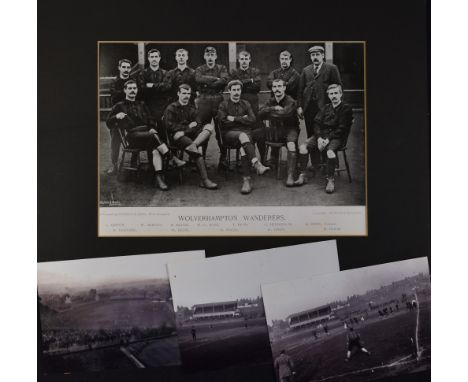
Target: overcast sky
point(90, 272)
point(232, 277)
point(285, 298)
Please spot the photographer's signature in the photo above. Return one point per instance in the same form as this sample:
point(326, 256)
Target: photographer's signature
point(112, 202)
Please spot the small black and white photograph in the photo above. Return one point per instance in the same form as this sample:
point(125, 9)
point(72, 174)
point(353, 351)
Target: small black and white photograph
point(355, 325)
point(218, 304)
point(219, 127)
point(108, 313)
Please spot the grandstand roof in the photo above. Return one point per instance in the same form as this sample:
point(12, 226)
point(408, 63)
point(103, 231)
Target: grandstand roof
point(309, 310)
point(215, 304)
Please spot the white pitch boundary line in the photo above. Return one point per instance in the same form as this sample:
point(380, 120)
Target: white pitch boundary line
point(418, 352)
point(137, 363)
point(399, 362)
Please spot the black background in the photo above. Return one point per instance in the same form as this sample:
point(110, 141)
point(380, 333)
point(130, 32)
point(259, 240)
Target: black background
point(398, 127)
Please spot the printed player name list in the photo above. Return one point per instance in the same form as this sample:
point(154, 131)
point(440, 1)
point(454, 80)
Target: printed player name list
point(235, 221)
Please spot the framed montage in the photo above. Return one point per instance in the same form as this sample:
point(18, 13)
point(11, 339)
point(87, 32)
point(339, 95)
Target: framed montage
point(291, 196)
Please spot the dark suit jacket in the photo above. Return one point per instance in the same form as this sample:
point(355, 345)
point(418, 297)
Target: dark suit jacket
point(315, 89)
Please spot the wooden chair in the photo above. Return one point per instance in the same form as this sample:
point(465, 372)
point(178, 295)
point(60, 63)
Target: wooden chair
point(228, 149)
point(174, 150)
point(133, 166)
point(272, 141)
point(346, 167)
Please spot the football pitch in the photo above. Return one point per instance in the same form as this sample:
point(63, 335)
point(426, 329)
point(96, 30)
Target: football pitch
point(225, 345)
point(157, 353)
point(387, 339)
point(115, 314)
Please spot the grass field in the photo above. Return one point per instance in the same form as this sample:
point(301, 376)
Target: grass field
point(94, 360)
point(425, 328)
point(225, 345)
point(157, 353)
point(116, 314)
point(388, 340)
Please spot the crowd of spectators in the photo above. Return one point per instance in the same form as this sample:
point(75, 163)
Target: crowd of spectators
point(69, 340)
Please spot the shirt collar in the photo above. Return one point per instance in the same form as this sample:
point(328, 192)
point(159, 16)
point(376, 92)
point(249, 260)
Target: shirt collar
point(337, 106)
point(282, 98)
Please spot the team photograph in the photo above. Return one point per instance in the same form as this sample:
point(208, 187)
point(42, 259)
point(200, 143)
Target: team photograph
point(231, 124)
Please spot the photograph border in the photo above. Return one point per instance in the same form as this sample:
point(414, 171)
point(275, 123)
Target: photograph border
point(224, 234)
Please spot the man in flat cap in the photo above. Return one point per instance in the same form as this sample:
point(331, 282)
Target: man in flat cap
point(181, 74)
point(314, 81)
point(237, 119)
point(188, 132)
point(251, 81)
point(331, 129)
point(211, 79)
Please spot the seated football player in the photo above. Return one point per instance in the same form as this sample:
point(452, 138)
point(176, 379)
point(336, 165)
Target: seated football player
point(237, 122)
point(211, 79)
point(281, 111)
point(187, 132)
point(251, 84)
point(331, 128)
point(134, 118)
point(117, 94)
